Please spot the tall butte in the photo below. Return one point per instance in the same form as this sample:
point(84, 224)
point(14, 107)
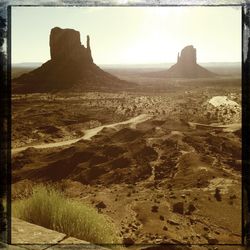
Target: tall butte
point(71, 67)
point(186, 66)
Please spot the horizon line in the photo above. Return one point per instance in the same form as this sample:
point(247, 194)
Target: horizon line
point(139, 63)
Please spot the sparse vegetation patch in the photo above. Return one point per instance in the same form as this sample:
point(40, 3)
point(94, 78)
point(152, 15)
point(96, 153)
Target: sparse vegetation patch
point(48, 207)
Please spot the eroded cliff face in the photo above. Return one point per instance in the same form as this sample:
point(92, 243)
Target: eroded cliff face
point(65, 44)
point(71, 67)
point(188, 56)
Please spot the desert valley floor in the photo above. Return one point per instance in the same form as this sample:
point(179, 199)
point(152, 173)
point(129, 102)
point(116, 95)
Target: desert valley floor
point(162, 162)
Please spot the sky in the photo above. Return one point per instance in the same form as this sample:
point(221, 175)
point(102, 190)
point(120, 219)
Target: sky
point(131, 35)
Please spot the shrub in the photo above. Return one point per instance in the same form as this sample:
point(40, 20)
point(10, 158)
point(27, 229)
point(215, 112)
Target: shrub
point(48, 207)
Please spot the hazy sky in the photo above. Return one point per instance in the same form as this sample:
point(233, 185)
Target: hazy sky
point(131, 35)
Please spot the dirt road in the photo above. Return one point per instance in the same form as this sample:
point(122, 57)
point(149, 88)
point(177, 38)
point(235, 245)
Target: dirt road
point(88, 133)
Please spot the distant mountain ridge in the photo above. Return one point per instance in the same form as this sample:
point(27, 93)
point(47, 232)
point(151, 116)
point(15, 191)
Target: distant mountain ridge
point(27, 64)
point(138, 65)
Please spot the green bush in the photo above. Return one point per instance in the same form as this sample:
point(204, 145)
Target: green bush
point(48, 207)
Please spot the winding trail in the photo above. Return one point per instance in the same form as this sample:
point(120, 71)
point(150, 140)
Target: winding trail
point(88, 133)
point(225, 128)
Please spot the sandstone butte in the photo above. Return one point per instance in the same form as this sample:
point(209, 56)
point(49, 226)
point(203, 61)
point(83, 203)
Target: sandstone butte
point(71, 67)
point(186, 66)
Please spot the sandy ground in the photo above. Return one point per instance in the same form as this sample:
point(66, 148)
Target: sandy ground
point(165, 167)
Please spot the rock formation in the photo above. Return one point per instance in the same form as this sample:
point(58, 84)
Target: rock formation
point(71, 67)
point(188, 56)
point(186, 66)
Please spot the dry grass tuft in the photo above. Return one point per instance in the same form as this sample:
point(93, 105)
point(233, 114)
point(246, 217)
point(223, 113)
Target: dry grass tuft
point(48, 207)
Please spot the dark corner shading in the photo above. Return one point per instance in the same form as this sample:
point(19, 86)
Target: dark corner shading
point(3, 170)
point(246, 123)
point(43, 79)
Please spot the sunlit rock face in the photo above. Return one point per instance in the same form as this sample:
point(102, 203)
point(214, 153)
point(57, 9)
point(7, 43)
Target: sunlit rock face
point(187, 67)
point(71, 67)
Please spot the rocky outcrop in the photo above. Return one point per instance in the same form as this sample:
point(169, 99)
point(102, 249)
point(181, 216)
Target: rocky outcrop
point(186, 66)
point(188, 56)
point(30, 236)
point(71, 67)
